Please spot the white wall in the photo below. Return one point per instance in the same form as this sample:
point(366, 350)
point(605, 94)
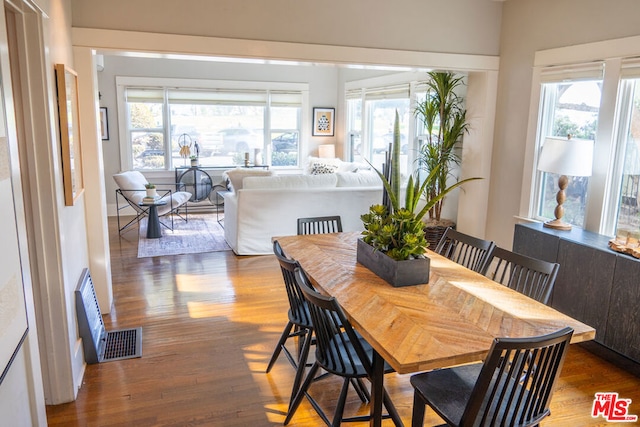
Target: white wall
point(62, 349)
point(529, 26)
point(460, 26)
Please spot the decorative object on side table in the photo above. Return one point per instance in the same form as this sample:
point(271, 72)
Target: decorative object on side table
point(185, 143)
point(152, 193)
point(629, 245)
point(444, 118)
point(194, 161)
point(393, 244)
point(573, 157)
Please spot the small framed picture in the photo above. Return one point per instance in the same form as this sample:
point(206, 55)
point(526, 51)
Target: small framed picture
point(104, 123)
point(323, 121)
point(69, 117)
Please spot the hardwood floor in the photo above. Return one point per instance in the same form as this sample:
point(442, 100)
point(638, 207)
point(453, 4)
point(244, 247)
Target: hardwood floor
point(209, 324)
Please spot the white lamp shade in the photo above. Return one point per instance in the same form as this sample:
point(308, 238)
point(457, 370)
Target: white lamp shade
point(563, 156)
point(327, 151)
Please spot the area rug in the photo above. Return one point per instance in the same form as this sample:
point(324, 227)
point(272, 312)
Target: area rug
point(201, 233)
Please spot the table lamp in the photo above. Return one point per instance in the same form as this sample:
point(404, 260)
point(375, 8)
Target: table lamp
point(565, 156)
point(327, 151)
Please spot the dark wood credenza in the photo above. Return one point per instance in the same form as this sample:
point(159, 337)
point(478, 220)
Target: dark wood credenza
point(595, 285)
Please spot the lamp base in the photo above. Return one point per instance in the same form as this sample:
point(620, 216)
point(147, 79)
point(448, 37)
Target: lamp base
point(557, 224)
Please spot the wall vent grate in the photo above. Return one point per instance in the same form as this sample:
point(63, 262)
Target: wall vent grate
point(100, 345)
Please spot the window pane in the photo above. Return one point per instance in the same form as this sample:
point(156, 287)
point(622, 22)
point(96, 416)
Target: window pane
point(146, 133)
point(381, 115)
point(148, 150)
point(220, 134)
point(285, 136)
point(354, 127)
point(568, 108)
point(145, 115)
point(628, 220)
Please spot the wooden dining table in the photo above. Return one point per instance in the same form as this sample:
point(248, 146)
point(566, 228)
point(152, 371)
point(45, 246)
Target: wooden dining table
point(448, 321)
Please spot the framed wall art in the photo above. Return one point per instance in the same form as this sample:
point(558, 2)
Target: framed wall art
point(104, 124)
point(69, 116)
point(323, 121)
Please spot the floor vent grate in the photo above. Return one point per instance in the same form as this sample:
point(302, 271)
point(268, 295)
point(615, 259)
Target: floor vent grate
point(123, 344)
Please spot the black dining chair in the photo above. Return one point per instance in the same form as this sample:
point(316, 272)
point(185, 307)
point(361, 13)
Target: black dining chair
point(530, 276)
point(341, 351)
point(299, 324)
point(464, 249)
point(320, 225)
point(513, 386)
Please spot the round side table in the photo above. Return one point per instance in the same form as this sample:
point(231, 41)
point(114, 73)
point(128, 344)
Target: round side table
point(153, 222)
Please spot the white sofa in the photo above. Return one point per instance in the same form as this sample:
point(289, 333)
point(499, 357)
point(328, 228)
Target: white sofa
point(260, 207)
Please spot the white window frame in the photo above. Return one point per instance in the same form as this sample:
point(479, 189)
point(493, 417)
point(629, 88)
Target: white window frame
point(601, 201)
point(122, 82)
point(409, 78)
point(550, 75)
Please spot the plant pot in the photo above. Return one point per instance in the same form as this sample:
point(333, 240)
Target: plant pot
point(194, 163)
point(433, 231)
point(151, 192)
point(396, 273)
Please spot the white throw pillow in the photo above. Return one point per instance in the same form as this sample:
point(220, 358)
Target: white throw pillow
point(318, 166)
point(237, 176)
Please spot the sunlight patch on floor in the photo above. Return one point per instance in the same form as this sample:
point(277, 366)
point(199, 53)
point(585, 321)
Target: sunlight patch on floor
point(195, 283)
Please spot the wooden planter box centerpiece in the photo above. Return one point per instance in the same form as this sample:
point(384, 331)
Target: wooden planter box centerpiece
point(396, 273)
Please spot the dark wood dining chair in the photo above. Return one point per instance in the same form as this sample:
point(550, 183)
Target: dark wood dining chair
point(530, 276)
point(320, 225)
point(469, 251)
point(299, 325)
point(513, 386)
point(341, 351)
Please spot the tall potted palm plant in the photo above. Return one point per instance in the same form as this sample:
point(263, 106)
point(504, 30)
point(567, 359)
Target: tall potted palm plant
point(393, 245)
point(445, 122)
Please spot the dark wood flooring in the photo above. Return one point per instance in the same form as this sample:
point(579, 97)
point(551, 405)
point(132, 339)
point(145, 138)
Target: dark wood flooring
point(210, 322)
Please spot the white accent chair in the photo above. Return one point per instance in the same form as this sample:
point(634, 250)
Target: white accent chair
point(131, 190)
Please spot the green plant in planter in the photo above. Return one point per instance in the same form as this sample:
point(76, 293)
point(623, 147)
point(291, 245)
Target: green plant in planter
point(398, 230)
point(399, 234)
point(445, 122)
point(149, 186)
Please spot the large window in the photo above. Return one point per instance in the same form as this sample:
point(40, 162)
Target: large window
point(628, 183)
point(146, 128)
point(568, 108)
point(220, 125)
point(370, 118)
point(598, 101)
